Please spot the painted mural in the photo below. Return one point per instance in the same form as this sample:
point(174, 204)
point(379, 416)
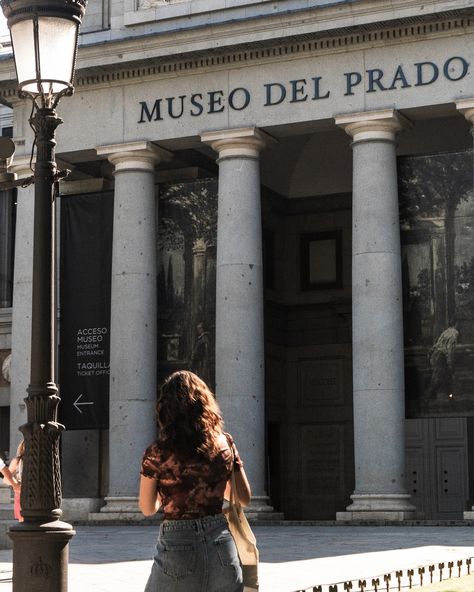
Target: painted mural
point(187, 234)
point(437, 234)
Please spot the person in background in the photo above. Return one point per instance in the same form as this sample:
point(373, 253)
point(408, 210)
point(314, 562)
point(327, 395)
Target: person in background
point(8, 477)
point(186, 471)
point(200, 357)
point(16, 469)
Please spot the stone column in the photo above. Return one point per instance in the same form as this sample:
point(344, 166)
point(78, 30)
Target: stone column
point(377, 321)
point(22, 297)
point(133, 323)
point(240, 385)
point(466, 107)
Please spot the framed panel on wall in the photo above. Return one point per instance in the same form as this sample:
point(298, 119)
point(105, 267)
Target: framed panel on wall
point(321, 260)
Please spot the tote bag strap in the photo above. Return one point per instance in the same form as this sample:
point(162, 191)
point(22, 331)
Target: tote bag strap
point(232, 477)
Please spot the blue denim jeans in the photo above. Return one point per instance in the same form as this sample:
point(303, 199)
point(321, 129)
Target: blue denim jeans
point(195, 556)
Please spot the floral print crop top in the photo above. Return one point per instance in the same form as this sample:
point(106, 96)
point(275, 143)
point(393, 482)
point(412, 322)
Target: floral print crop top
point(190, 488)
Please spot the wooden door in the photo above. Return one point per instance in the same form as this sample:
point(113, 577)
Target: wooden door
point(437, 467)
point(316, 434)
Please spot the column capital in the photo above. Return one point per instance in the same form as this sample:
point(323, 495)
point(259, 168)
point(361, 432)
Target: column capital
point(466, 107)
point(238, 142)
point(134, 156)
point(373, 125)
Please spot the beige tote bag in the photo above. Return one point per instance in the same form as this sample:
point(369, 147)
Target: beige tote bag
point(244, 538)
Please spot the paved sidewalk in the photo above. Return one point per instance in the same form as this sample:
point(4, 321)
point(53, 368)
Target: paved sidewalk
point(118, 558)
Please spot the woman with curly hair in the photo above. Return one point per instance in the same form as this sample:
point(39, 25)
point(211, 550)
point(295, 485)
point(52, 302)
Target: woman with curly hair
point(186, 471)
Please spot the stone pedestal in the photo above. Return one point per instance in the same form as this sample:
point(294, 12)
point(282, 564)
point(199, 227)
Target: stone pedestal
point(44, 567)
point(133, 330)
point(378, 362)
point(239, 299)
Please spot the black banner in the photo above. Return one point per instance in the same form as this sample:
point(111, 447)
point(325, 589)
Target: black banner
point(84, 294)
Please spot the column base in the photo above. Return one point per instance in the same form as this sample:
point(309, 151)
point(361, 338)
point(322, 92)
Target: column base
point(260, 509)
point(384, 516)
point(126, 509)
point(468, 514)
point(118, 508)
point(379, 506)
point(5, 540)
point(78, 509)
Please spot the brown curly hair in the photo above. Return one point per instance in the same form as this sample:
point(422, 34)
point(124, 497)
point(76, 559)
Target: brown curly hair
point(188, 415)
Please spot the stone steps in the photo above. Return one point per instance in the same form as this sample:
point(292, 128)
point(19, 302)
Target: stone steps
point(137, 518)
point(6, 511)
point(5, 541)
point(115, 520)
point(112, 518)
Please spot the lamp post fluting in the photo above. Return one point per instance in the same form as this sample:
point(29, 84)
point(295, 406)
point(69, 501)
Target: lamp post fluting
point(44, 38)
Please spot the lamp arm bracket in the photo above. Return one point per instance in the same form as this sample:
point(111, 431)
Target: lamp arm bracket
point(27, 181)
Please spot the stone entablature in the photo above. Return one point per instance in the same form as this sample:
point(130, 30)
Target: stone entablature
point(324, 28)
point(316, 45)
point(330, 75)
point(279, 88)
point(95, 68)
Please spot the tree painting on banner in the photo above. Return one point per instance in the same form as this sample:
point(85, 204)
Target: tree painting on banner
point(437, 232)
point(187, 234)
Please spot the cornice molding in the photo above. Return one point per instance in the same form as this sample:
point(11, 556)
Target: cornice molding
point(265, 31)
point(311, 45)
point(317, 43)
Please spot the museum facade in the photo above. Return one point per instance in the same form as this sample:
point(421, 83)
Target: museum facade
point(277, 195)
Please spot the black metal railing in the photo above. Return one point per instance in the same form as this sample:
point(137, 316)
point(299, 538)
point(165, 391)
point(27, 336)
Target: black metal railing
point(398, 580)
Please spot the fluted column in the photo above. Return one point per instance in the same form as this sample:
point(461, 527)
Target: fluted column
point(239, 299)
point(377, 321)
point(133, 323)
point(22, 297)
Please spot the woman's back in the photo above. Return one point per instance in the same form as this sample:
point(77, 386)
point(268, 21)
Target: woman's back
point(190, 486)
point(187, 471)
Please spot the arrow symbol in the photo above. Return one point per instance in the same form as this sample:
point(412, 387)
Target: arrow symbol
point(76, 403)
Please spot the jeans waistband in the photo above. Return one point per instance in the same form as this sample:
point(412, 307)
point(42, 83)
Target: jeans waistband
point(197, 525)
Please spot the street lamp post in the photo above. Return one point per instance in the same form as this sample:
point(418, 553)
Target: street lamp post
point(44, 37)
